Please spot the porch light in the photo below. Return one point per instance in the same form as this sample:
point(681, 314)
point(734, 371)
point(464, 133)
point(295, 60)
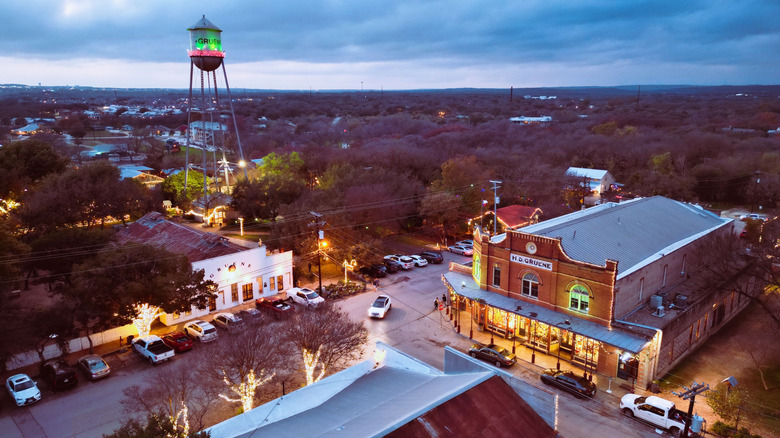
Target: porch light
point(232, 268)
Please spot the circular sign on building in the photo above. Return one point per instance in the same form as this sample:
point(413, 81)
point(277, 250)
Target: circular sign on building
point(530, 247)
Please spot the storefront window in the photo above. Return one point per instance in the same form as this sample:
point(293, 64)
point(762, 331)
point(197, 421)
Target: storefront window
point(530, 285)
point(578, 298)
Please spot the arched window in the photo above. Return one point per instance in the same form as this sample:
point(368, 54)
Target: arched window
point(578, 298)
point(530, 285)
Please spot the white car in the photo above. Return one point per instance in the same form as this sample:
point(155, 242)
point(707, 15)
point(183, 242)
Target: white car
point(201, 331)
point(23, 389)
point(380, 307)
point(462, 250)
point(469, 243)
point(406, 262)
point(305, 296)
point(228, 321)
point(418, 261)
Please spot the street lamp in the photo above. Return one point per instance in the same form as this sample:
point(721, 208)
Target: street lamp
point(241, 222)
point(320, 244)
point(533, 342)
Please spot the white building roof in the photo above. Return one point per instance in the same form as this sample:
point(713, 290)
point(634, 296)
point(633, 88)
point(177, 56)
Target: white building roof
point(587, 173)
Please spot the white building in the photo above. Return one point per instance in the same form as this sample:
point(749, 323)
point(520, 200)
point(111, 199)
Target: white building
point(241, 274)
point(598, 181)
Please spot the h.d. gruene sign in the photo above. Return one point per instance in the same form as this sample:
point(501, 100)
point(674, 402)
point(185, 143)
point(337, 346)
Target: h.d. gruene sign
point(523, 260)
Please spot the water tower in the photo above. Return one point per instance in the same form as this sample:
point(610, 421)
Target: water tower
point(211, 123)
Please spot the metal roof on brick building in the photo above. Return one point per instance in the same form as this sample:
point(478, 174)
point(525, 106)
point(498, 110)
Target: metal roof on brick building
point(633, 233)
point(154, 229)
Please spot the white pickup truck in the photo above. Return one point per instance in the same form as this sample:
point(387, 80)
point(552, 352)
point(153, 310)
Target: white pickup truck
point(304, 296)
point(153, 349)
point(654, 411)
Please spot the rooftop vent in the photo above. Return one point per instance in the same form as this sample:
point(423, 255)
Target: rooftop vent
point(659, 312)
point(656, 301)
point(681, 301)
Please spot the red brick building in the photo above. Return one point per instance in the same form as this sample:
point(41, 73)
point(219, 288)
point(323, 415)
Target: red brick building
point(609, 288)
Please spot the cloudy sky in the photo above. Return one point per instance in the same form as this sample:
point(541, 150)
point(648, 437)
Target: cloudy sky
point(395, 44)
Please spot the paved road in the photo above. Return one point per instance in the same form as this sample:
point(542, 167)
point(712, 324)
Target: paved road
point(92, 408)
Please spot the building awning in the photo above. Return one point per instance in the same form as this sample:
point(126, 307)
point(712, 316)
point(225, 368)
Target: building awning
point(465, 286)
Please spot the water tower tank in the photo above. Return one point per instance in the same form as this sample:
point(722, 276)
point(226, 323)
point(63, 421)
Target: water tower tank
point(206, 45)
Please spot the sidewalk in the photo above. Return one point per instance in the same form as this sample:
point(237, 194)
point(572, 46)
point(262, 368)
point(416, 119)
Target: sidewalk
point(609, 386)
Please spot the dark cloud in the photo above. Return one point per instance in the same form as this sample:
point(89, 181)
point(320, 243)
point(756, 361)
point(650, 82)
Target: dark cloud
point(741, 35)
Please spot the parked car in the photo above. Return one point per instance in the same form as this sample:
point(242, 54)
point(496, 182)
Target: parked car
point(201, 331)
point(376, 271)
point(58, 374)
point(752, 216)
point(178, 341)
point(277, 308)
point(469, 243)
point(570, 382)
point(153, 349)
point(405, 261)
point(494, 354)
point(432, 256)
point(94, 366)
point(462, 250)
point(419, 261)
point(304, 296)
point(392, 266)
point(655, 411)
point(228, 321)
point(23, 389)
point(380, 307)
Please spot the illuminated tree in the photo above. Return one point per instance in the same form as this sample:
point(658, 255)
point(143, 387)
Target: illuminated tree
point(174, 393)
point(244, 361)
point(136, 282)
point(326, 338)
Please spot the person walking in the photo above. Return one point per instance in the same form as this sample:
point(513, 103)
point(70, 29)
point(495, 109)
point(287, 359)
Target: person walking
point(435, 304)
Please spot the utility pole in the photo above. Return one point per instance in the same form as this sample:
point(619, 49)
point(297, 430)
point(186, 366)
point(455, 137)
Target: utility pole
point(320, 237)
point(757, 174)
point(496, 186)
point(690, 394)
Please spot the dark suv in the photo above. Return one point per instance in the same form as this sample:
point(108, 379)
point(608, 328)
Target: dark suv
point(376, 271)
point(392, 266)
point(432, 256)
point(58, 374)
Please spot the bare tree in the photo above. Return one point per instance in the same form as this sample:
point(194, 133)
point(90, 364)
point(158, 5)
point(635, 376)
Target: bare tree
point(326, 338)
point(238, 365)
point(750, 270)
point(176, 392)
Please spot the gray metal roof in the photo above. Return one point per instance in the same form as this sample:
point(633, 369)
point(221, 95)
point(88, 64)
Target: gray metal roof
point(204, 23)
point(464, 285)
point(633, 233)
point(374, 404)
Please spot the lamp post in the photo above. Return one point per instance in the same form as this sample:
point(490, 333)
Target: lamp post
point(241, 222)
point(533, 342)
point(471, 312)
point(320, 243)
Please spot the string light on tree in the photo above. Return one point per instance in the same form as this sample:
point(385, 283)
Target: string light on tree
point(310, 361)
point(245, 389)
point(145, 315)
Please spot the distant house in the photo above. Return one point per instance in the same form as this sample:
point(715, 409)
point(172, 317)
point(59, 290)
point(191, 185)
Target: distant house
point(203, 132)
point(240, 274)
point(30, 129)
point(510, 217)
point(161, 130)
point(396, 395)
point(141, 174)
point(523, 120)
point(597, 180)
